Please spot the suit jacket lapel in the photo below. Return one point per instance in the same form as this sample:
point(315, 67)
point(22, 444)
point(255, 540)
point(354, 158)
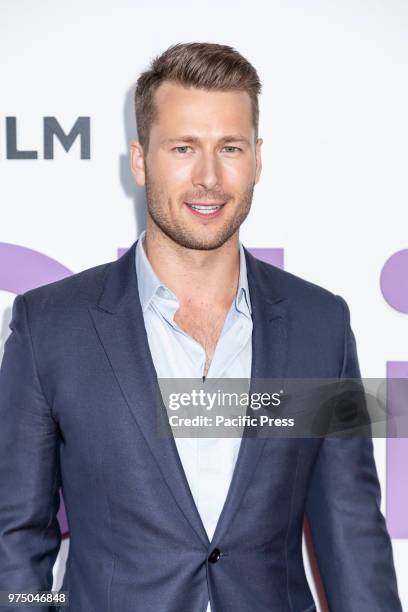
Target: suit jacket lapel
point(119, 322)
point(269, 358)
point(118, 319)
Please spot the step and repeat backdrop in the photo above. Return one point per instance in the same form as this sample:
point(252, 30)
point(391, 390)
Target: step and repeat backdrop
point(332, 203)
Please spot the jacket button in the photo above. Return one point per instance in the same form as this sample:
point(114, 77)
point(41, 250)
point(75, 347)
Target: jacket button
point(215, 555)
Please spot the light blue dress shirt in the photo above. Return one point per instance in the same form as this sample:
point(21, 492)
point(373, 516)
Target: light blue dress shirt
point(207, 462)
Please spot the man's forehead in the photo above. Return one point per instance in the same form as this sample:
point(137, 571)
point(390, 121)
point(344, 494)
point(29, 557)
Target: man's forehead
point(191, 110)
point(170, 92)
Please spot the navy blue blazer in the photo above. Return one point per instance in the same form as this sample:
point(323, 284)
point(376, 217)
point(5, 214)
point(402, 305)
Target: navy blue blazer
point(78, 391)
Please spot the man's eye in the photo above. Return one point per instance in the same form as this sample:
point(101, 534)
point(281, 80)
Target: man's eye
point(232, 149)
point(182, 149)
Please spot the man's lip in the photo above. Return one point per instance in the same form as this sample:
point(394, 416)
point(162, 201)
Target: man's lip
point(205, 203)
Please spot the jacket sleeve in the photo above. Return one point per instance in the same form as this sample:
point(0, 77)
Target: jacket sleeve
point(30, 536)
point(352, 544)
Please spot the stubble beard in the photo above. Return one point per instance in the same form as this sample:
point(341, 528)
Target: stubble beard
point(158, 206)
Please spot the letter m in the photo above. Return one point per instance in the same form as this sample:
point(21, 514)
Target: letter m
point(81, 128)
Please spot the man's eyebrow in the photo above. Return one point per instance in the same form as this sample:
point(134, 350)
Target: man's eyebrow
point(195, 139)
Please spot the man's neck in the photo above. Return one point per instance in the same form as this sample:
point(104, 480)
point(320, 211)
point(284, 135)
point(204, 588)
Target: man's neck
point(192, 274)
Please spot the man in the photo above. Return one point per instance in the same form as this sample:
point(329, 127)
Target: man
point(163, 524)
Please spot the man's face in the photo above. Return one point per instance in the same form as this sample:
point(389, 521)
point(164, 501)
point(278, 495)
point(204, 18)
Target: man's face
point(202, 164)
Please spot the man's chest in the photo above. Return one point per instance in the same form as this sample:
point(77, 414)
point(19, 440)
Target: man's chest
point(203, 325)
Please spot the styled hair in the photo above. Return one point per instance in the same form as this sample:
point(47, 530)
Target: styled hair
point(203, 65)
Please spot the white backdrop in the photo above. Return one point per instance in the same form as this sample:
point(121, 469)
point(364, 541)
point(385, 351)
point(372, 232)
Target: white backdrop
point(334, 121)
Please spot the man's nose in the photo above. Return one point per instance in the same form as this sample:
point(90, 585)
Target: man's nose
point(207, 171)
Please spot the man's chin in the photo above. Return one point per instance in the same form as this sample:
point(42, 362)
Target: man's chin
point(199, 242)
point(191, 236)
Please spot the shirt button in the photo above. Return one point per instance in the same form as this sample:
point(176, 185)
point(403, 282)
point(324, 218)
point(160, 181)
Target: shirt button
point(215, 555)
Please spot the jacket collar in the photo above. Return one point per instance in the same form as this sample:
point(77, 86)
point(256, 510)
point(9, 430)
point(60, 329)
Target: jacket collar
point(121, 284)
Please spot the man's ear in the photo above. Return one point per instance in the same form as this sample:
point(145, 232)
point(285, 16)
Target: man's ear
point(258, 158)
point(137, 162)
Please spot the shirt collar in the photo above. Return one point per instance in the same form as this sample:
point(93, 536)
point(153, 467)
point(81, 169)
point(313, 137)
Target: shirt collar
point(149, 283)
